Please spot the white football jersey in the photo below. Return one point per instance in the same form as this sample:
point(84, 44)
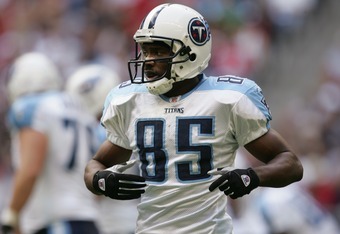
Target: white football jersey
point(60, 192)
point(178, 140)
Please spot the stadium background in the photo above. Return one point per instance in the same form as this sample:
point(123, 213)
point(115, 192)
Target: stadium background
point(290, 48)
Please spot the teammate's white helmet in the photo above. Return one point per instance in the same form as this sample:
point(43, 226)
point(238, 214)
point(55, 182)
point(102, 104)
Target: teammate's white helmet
point(91, 83)
point(186, 32)
point(31, 73)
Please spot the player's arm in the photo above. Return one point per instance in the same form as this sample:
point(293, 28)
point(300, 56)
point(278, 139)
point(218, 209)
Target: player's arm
point(107, 155)
point(281, 166)
point(101, 179)
point(33, 149)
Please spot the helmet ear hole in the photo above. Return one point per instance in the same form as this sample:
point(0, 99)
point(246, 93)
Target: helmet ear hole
point(192, 57)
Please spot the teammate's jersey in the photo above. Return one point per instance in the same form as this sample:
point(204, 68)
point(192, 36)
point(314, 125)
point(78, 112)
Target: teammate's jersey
point(60, 192)
point(292, 210)
point(178, 140)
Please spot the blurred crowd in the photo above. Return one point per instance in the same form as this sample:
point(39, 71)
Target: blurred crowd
point(312, 126)
point(78, 32)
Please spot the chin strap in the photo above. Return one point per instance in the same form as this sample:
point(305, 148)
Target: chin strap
point(160, 86)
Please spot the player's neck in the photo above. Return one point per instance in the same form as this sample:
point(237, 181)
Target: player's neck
point(183, 87)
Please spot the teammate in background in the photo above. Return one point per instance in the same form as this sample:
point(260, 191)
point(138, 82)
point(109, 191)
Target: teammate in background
point(184, 128)
point(51, 143)
point(91, 84)
point(292, 210)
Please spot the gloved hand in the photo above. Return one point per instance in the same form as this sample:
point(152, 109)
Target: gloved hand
point(116, 185)
point(9, 221)
point(235, 183)
point(7, 229)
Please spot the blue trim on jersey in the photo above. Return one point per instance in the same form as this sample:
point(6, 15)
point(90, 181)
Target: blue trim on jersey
point(22, 111)
point(238, 84)
point(123, 89)
point(100, 133)
point(256, 96)
point(228, 82)
point(241, 85)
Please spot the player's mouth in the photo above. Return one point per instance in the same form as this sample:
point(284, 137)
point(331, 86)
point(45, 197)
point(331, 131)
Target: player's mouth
point(151, 75)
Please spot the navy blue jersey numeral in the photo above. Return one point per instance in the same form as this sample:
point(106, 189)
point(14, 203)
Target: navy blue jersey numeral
point(72, 126)
point(185, 145)
point(151, 138)
point(150, 141)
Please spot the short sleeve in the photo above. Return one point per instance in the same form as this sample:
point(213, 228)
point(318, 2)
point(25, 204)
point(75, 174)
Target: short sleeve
point(28, 113)
point(113, 121)
point(251, 116)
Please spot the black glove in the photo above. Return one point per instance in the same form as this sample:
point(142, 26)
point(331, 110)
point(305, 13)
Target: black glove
point(236, 183)
point(118, 186)
point(6, 229)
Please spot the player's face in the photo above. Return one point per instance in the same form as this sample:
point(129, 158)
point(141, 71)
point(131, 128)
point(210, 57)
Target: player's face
point(157, 58)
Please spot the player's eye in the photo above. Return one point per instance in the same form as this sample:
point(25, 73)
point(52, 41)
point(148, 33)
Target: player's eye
point(161, 53)
point(145, 53)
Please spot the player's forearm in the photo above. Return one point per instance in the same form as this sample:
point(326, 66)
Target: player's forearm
point(22, 189)
point(281, 171)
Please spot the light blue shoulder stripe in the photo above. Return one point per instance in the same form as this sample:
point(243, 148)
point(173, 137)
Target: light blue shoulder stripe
point(22, 111)
point(235, 83)
point(100, 133)
point(243, 85)
point(228, 82)
point(124, 89)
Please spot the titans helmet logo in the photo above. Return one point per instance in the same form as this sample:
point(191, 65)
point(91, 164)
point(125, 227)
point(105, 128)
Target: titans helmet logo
point(199, 31)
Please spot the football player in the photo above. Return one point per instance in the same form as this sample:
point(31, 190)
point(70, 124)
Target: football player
point(52, 139)
point(184, 128)
point(90, 84)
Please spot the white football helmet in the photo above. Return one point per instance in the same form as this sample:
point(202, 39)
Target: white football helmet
point(188, 35)
point(31, 73)
point(91, 83)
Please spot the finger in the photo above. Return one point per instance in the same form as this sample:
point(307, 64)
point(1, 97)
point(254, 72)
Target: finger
point(131, 185)
point(215, 184)
point(214, 172)
point(234, 196)
point(218, 182)
point(126, 196)
point(228, 192)
point(131, 192)
point(130, 177)
point(220, 170)
point(224, 186)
